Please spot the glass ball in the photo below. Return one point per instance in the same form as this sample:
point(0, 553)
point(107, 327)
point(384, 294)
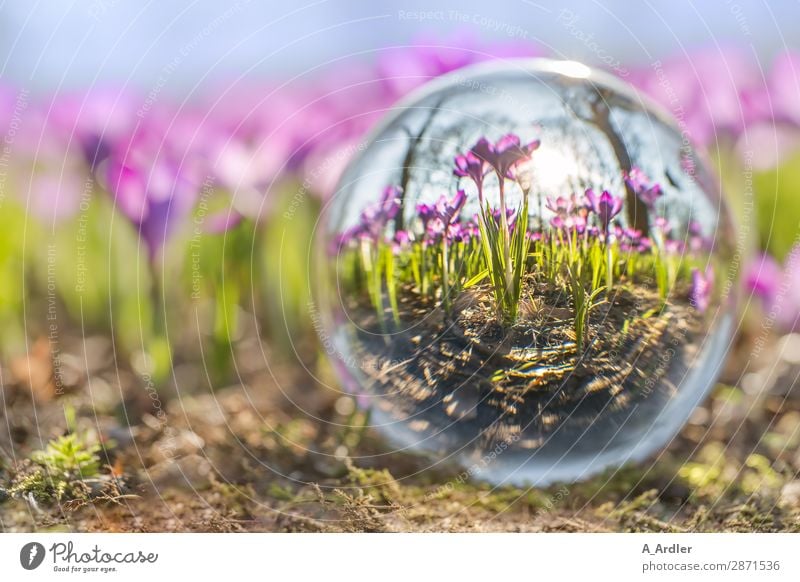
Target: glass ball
point(529, 272)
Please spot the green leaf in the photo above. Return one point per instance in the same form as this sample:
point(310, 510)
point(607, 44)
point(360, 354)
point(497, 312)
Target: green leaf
point(476, 279)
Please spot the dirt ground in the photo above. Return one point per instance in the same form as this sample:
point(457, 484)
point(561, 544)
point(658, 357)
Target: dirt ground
point(280, 451)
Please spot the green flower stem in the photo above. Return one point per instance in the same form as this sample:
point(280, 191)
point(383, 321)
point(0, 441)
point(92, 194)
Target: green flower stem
point(445, 274)
point(159, 349)
point(506, 239)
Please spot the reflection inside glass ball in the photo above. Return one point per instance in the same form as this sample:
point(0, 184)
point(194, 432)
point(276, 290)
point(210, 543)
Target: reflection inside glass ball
point(527, 271)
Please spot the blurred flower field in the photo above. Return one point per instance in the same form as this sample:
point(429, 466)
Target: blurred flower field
point(161, 359)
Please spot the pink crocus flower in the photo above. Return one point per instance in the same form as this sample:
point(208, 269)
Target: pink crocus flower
point(505, 154)
point(474, 167)
point(606, 206)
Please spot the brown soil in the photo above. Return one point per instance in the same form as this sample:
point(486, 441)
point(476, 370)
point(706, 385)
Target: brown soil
point(277, 450)
point(530, 380)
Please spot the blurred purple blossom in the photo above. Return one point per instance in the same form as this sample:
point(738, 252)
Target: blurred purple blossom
point(778, 288)
point(47, 168)
point(401, 241)
point(95, 120)
point(700, 293)
point(647, 191)
point(714, 91)
point(562, 206)
point(784, 87)
point(153, 181)
point(763, 278)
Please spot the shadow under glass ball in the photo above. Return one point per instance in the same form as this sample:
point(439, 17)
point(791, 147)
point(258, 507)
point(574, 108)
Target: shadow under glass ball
point(527, 271)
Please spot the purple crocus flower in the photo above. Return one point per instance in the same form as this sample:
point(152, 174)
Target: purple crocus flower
point(505, 154)
point(401, 241)
point(426, 213)
point(566, 217)
point(497, 215)
point(155, 196)
point(606, 206)
point(561, 206)
point(645, 245)
point(375, 217)
point(372, 221)
point(569, 223)
point(626, 235)
point(469, 231)
point(664, 226)
point(448, 210)
point(674, 247)
point(647, 191)
point(444, 215)
point(474, 167)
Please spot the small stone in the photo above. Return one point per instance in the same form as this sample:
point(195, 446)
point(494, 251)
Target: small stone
point(191, 471)
point(789, 347)
point(178, 443)
point(790, 494)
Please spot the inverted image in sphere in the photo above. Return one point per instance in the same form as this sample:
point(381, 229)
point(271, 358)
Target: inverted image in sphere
point(528, 271)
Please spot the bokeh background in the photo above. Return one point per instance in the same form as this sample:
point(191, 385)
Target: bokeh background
point(161, 173)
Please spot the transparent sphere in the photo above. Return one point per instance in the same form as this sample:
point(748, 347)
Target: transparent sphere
point(528, 272)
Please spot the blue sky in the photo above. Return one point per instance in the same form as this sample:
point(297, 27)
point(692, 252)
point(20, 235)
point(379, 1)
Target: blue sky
point(58, 44)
